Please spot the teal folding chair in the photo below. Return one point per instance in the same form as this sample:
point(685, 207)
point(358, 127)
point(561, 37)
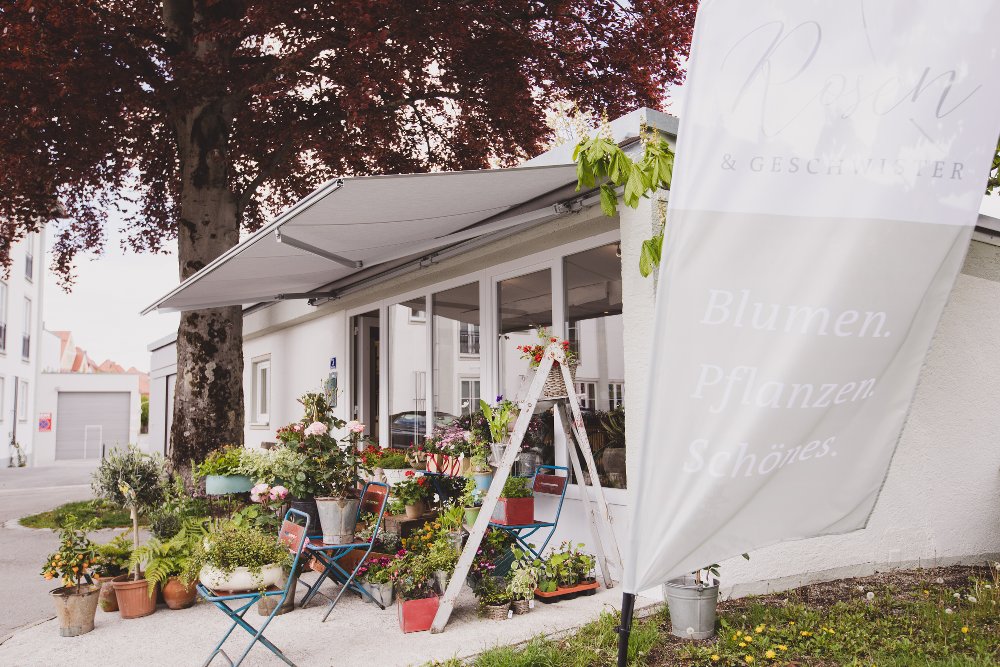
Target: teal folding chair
point(330, 557)
point(294, 537)
point(547, 482)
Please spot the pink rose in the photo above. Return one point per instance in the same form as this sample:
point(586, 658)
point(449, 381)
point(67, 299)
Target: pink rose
point(279, 493)
point(355, 426)
point(258, 491)
point(316, 428)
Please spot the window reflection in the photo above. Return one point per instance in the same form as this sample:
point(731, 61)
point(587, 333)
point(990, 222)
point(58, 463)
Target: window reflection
point(408, 331)
point(456, 352)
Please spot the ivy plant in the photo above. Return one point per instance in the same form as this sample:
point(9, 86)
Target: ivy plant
point(601, 163)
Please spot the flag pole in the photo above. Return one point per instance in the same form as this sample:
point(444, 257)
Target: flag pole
point(625, 628)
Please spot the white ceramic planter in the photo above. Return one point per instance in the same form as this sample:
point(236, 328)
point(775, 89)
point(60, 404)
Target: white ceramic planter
point(241, 579)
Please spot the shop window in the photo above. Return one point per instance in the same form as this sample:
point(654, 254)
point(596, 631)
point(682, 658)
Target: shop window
point(593, 289)
point(470, 396)
point(457, 368)
point(408, 332)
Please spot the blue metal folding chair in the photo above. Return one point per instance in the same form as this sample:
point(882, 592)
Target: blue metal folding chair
point(544, 483)
point(294, 537)
point(330, 557)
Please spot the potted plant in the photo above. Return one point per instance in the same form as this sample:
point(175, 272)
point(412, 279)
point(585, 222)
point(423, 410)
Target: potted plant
point(394, 465)
point(566, 573)
point(238, 558)
point(471, 502)
point(264, 512)
point(166, 564)
point(516, 506)
point(131, 479)
point(482, 473)
point(498, 419)
point(522, 581)
point(441, 559)
point(413, 492)
point(112, 563)
point(692, 600)
point(337, 471)
point(376, 576)
point(76, 602)
point(454, 444)
point(417, 603)
point(555, 386)
point(450, 520)
point(494, 600)
point(223, 472)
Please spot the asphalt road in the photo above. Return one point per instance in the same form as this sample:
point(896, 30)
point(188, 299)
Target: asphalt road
point(26, 491)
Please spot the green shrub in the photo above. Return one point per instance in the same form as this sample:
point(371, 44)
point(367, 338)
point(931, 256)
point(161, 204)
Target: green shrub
point(517, 487)
point(226, 460)
point(231, 546)
point(130, 478)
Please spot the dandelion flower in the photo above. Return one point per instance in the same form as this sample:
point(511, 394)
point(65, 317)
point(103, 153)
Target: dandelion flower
point(926, 592)
point(759, 628)
point(748, 638)
point(870, 596)
point(770, 654)
point(715, 658)
point(965, 629)
point(782, 647)
point(748, 659)
point(742, 644)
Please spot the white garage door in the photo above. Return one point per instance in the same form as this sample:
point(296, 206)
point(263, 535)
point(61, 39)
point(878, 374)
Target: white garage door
point(85, 420)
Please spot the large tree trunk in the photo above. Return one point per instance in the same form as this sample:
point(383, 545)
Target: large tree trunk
point(208, 396)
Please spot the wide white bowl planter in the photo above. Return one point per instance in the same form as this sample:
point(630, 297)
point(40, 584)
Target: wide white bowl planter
point(241, 579)
point(394, 476)
point(692, 607)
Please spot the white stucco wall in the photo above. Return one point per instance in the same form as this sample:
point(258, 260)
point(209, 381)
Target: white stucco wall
point(162, 374)
point(49, 386)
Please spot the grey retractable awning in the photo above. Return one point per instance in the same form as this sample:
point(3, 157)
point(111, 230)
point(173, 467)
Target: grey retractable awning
point(352, 224)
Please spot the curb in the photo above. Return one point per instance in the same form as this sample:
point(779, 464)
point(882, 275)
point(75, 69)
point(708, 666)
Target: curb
point(27, 626)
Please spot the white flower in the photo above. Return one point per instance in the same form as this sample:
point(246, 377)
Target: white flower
point(939, 580)
point(948, 611)
point(956, 596)
point(354, 426)
point(870, 596)
point(971, 598)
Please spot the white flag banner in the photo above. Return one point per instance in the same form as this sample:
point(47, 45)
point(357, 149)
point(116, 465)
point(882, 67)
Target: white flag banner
point(831, 160)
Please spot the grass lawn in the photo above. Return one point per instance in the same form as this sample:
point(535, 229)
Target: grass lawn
point(946, 617)
point(107, 515)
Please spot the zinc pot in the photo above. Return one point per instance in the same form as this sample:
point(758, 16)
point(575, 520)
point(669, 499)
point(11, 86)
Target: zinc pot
point(442, 577)
point(471, 514)
point(308, 507)
point(381, 592)
point(177, 595)
point(416, 510)
point(75, 609)
point(134, 598)
point(220, 485)
point(107, 600)
point(417, 615)
point(240, 580)
point(338, 518)
point(394, 476)
point(692, 607)
point(483, 481)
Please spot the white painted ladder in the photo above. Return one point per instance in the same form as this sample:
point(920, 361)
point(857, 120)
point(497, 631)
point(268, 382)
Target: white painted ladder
point(573, 429)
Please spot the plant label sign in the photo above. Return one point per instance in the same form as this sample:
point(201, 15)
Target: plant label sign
point(831, 161)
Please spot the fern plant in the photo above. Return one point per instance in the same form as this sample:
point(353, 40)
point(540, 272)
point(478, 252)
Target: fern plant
point(163, 559)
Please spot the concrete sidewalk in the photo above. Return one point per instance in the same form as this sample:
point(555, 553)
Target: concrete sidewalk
point(355, 634)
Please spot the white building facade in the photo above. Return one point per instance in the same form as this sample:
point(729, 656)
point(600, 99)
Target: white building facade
point(21, 293)
point(407, 350)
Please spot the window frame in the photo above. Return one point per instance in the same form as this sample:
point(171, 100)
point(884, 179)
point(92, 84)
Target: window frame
point(259, 419)
point(4, 320)
point(22, 402)
point(26, 333)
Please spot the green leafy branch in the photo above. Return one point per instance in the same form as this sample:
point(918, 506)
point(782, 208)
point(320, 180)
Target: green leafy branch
point(601, 163)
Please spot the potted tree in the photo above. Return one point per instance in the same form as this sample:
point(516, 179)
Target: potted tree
point(238, 558)
point(76, 602)
point(112, 563)
point(223, 472)
point(413, 492)
point(516, 506)
point(167, 564)
point(134, 480)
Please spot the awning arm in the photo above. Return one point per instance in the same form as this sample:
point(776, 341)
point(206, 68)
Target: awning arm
point(319, 252)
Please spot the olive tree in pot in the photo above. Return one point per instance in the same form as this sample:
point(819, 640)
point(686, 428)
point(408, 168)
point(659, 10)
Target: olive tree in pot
point(76, 602)
point(692, 600)
point(135, 480)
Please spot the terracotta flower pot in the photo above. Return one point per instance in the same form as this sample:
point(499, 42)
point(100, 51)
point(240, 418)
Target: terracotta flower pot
point(417, 615)
point(75, 609)
point(177, 595)
point(416, 510)
point(134, 598)
point(107, 600)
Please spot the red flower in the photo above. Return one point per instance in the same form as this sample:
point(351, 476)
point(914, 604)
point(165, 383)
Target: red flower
point(553, 339)
point(410, 473)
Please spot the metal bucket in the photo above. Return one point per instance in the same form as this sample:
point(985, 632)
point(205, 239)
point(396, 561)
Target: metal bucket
point(338, 517)
point(692, 607)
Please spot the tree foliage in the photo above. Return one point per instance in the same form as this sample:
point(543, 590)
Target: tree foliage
point(602, 163)
point(97, 95)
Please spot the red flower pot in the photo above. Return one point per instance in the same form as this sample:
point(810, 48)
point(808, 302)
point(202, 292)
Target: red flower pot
point(514, 511)
point(417, 615)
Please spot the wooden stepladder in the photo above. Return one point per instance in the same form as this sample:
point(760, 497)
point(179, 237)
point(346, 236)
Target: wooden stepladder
point(568, 412)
